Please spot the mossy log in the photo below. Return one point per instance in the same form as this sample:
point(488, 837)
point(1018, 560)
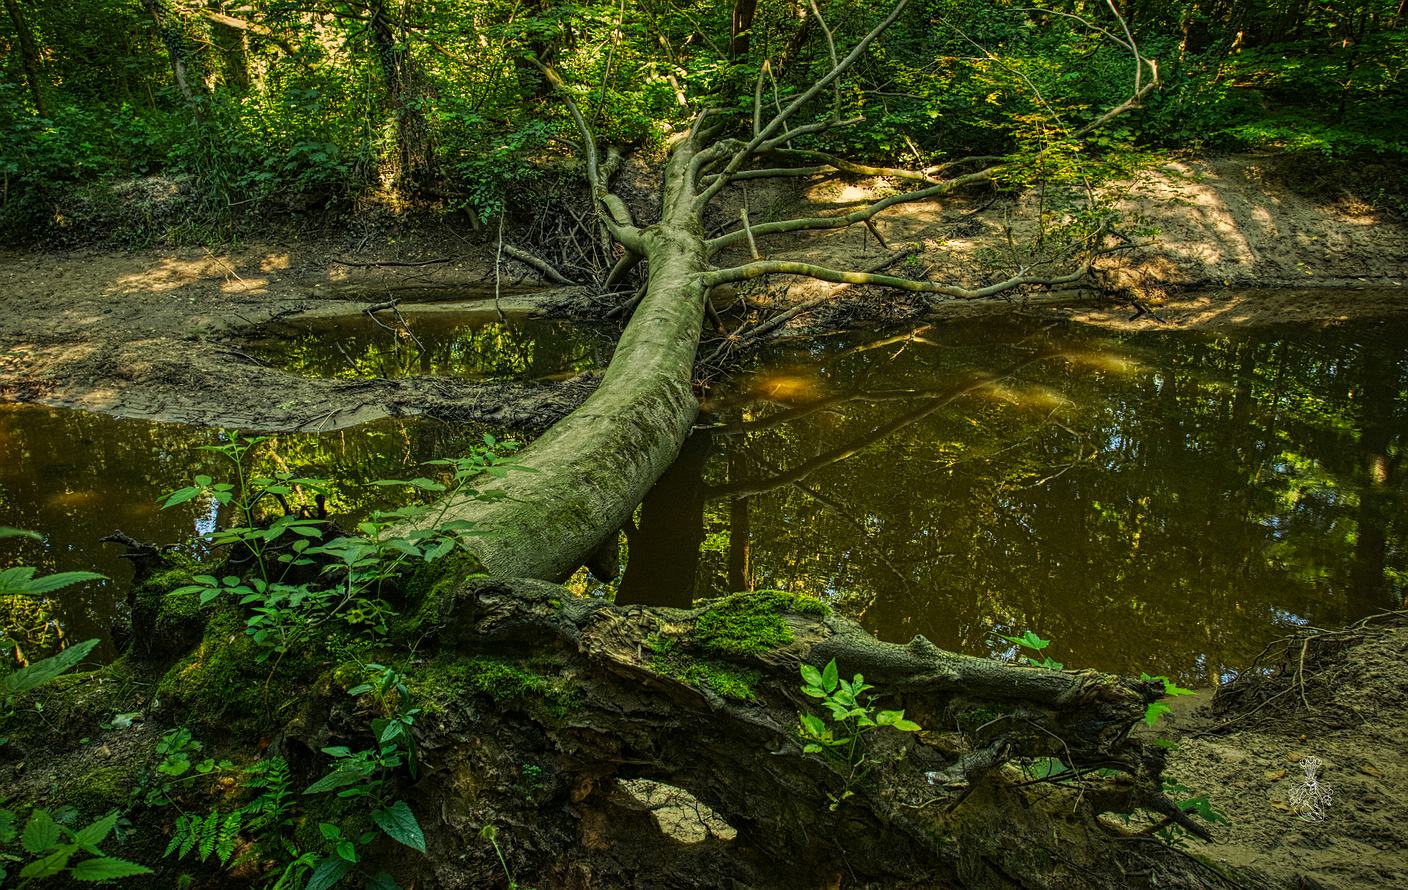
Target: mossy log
point(706, 702)
point(585, 475)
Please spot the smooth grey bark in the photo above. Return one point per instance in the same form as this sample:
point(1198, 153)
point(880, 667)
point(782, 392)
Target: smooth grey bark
point(585, 475)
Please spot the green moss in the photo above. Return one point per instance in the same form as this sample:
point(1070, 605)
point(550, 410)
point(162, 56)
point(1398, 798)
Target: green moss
point(98, 791)
point(429, 590)
point(750, 623)
point(222, 682)
point(73, 705)
point(727, 680)
point(500, 679)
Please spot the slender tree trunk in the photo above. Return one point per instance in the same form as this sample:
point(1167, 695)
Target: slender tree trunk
point(415, 148)
point(29, 56)
point(741, 28)
point(175, 42)
point(740, 574)
point(665, 553)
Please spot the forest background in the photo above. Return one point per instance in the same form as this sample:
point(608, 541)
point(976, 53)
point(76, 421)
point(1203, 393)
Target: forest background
point(225, 114)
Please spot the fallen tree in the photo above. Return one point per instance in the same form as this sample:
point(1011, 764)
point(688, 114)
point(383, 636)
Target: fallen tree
point(706, 703)
point(590, 470)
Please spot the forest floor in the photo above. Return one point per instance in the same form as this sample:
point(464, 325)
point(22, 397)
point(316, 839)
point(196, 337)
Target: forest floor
point(155, 334)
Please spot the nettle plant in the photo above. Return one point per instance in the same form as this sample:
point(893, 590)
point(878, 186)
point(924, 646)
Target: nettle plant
point(851, 719)
point(22, 581)
point(277, 546)
point(363, 775)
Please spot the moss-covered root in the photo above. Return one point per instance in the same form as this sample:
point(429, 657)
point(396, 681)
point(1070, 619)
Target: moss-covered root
point(707, 701)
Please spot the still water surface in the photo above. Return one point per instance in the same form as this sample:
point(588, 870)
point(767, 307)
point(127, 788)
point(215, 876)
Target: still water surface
point(1163, 502)
point(473, 345)
point(76, 477)
point(1166, 502)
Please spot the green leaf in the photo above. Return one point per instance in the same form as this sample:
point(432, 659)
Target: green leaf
point(400, 825)
point(41, 672)
point(52, 864)
point(814, 725)
point(107, 868)
point(1154, 712)
point(349, 772)
point(50, 583)
point(811, 675)
point(328, 873)
point(181, 496)
point(830, 676)
point(93, 834)
point(8, 532)
point(907, 726)
point(382, 881)
point(41, 832)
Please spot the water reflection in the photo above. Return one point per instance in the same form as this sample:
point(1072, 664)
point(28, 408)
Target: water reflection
point(463, 345)
point(1158, 502)
point(76, 477)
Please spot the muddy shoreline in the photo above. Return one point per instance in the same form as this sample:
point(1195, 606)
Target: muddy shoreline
point(154, 333)
point(157, 335)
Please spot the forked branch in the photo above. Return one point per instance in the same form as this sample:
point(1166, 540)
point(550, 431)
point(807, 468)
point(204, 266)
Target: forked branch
point(617, 216)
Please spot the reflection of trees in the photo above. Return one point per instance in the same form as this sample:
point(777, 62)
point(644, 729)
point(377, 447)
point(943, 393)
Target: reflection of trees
point(1165, 516)
point(444, 344)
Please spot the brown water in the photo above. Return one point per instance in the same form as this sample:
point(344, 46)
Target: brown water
point(1159, 502)
point(76, 477)
point(1162, 502)
point(464, 345)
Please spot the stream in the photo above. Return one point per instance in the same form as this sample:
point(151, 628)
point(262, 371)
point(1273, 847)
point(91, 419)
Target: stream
point(1164, 502)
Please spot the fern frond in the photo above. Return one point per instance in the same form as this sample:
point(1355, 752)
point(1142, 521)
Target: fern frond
point(229, 835)
point(209, 834)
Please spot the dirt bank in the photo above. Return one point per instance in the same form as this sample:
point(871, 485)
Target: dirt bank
point(152, 335)
point(1332, 710)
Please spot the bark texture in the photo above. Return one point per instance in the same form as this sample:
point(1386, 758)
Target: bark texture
point(643, 699)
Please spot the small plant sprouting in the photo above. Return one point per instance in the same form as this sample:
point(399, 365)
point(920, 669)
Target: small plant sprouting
point(281, 613)
point(491, 834)
point(851, 719)
point(1157, 709)
point(1035, 644)
point(178, 766)
point(363, 775)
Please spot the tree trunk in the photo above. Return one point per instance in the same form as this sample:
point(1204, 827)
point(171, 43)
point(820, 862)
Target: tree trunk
point(664, 557)
point(415, 149)
point(175, 42)
point(590, 470)
point(941, 807)
point(741, 28)
point(29, 56)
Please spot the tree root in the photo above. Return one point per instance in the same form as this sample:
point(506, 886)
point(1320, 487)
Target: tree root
point(653, 699)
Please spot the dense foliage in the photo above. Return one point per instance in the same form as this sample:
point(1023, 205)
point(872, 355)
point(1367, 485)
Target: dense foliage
point(277, 105)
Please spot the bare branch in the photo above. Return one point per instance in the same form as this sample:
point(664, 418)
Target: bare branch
point(780, 119)
point(251, 28)
point(617, 217)
point(835, 61)
point(856, 216)
point(842, 276)
point(535, 262)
